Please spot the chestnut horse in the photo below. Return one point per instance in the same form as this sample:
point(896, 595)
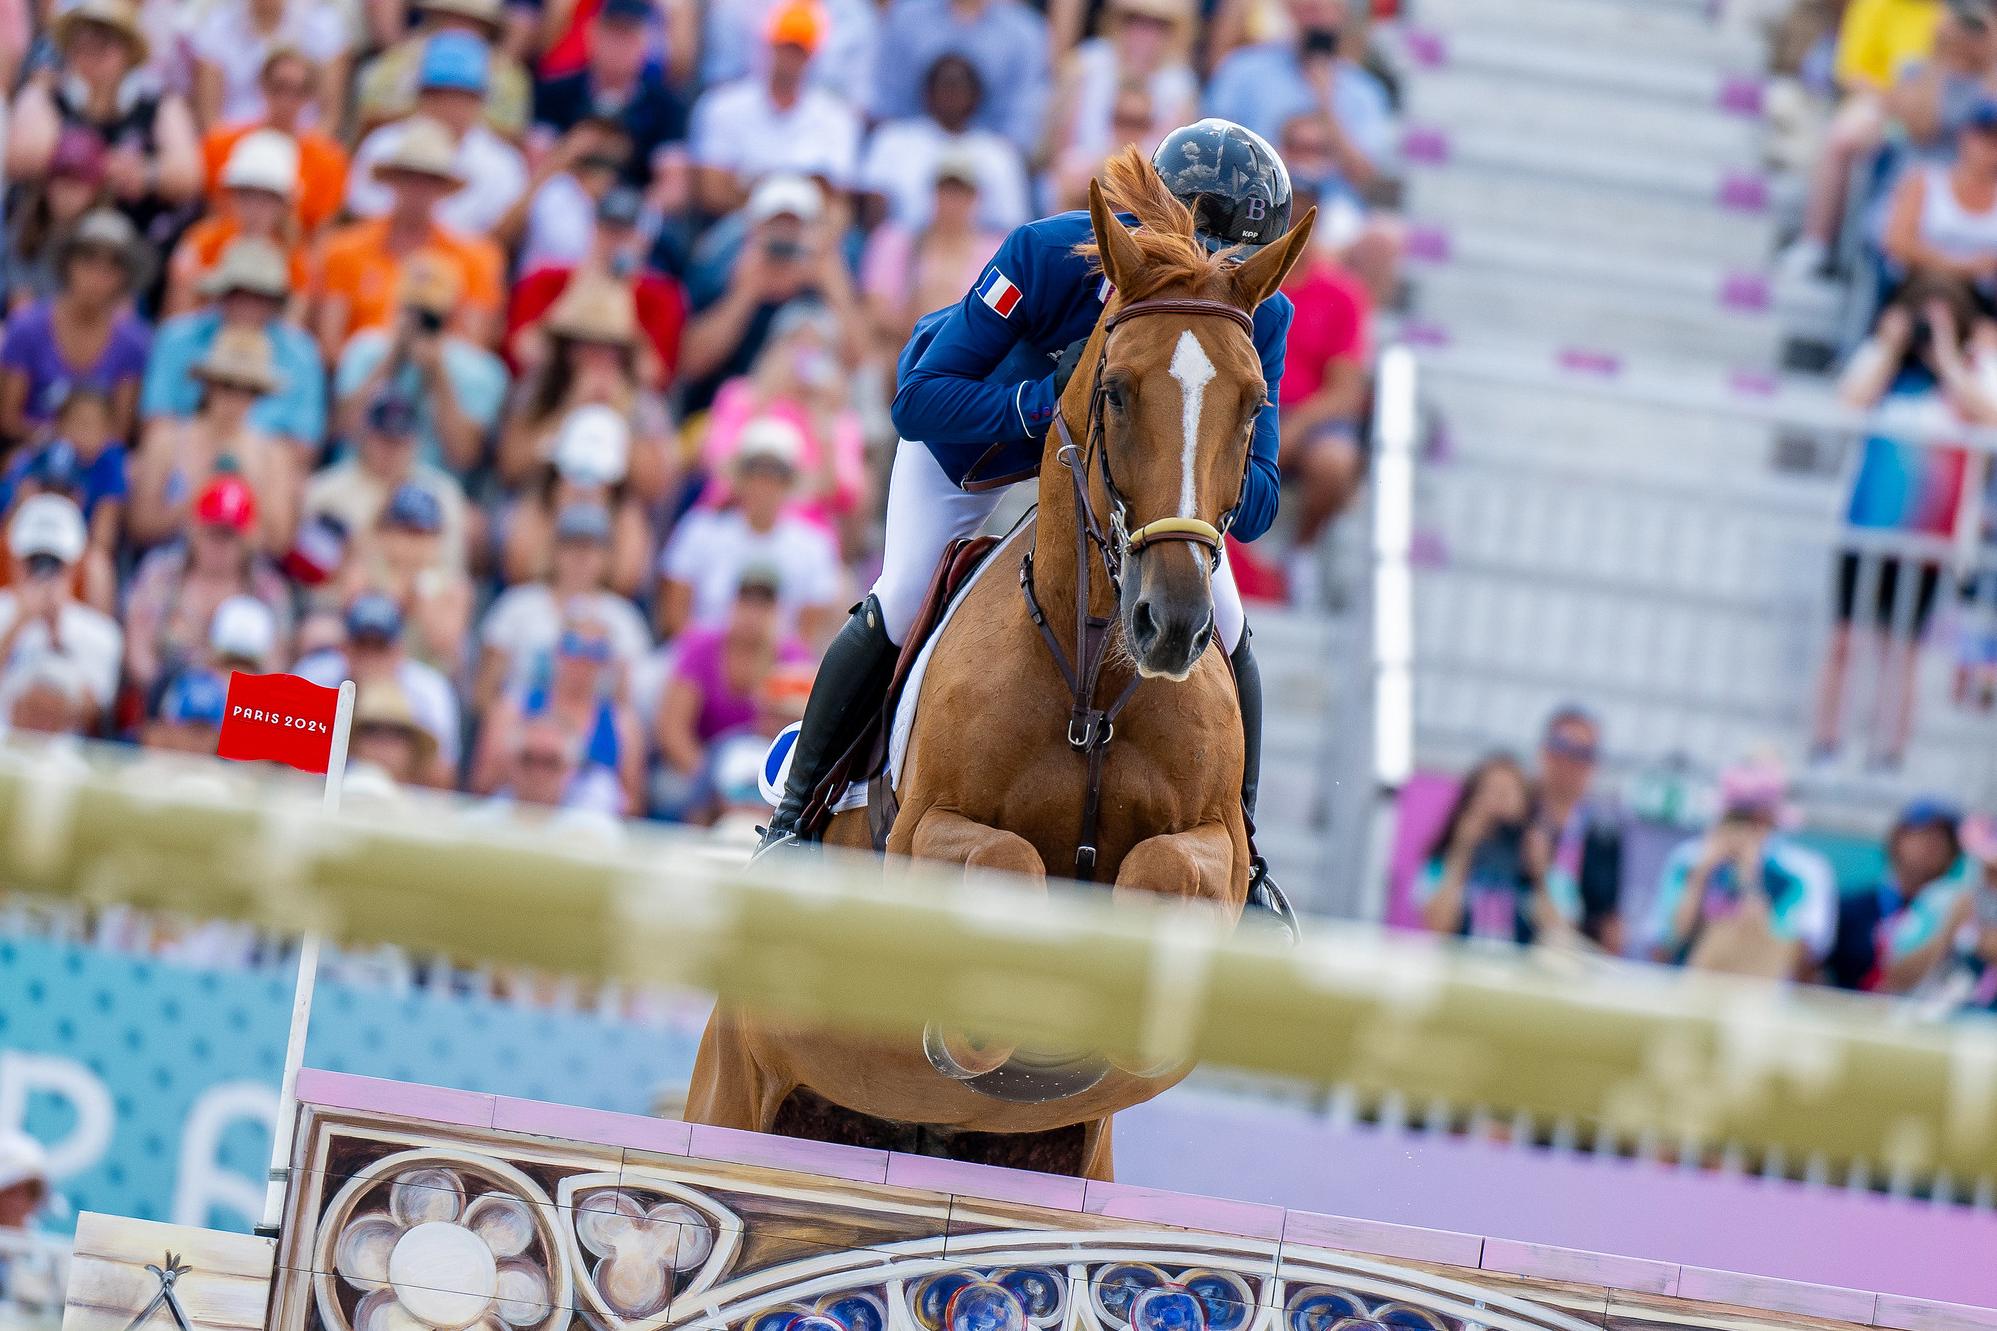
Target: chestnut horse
point(1106, 631)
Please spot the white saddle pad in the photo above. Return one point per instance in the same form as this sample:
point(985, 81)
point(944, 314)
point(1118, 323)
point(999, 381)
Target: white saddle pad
point(776, 763)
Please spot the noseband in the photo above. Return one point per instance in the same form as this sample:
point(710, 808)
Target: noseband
point(1090, 728)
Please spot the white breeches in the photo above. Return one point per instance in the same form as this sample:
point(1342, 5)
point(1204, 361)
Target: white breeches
point(926, 512)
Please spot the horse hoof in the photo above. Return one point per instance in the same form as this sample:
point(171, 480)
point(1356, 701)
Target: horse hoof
point(1163, 1067)
point(961, 1057)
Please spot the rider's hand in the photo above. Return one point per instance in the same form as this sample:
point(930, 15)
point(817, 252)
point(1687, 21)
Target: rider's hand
point(1065, 366)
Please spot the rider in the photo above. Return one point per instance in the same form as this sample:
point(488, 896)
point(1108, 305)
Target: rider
point(980, 383)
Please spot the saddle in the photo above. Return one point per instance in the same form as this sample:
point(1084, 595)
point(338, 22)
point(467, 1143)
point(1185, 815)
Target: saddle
point(866, 758)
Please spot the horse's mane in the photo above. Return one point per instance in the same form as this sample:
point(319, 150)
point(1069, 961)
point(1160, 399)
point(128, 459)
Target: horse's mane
point(1164, 234)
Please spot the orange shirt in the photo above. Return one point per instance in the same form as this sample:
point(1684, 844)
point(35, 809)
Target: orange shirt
point(355, 264)
point(322, 170)
point(201, 246)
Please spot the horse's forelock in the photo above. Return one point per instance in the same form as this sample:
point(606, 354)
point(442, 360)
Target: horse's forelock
point(1173, 258)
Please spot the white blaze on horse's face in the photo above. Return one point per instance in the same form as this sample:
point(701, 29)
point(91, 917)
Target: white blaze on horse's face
point(1193, 368)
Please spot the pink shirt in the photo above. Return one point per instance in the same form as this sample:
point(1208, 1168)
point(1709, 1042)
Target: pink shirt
point(736, 405)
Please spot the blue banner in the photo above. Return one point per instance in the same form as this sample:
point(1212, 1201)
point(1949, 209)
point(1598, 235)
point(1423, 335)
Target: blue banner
point(154, 1085)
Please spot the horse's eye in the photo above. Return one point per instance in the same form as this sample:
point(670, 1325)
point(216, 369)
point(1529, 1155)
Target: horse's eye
point(1113, 397)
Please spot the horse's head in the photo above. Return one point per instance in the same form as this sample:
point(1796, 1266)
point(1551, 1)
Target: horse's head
point(1179, 389)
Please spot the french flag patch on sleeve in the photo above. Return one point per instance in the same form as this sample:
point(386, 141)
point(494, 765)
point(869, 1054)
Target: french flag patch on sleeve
point(997, 291)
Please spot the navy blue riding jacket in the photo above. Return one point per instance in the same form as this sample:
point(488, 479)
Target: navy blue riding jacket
point(980, 372)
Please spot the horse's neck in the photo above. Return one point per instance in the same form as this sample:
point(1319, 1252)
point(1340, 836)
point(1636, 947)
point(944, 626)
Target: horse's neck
point(1055, 573)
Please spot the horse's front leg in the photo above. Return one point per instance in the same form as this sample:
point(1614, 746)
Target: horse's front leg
point(948, 837)
point(730, 1088)
point(1199, 864)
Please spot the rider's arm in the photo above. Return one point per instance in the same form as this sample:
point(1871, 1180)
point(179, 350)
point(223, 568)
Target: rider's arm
point(1260, 488)
point(944, 397)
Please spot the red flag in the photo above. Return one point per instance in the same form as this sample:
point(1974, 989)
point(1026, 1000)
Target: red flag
point(279, 719)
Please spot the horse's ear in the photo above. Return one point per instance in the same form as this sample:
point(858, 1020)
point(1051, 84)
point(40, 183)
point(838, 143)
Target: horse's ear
point(1119, 252)
point(1259, 276)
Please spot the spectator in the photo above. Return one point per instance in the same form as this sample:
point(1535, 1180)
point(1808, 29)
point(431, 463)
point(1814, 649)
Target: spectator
point(618, 83)
point(373, 656)
point(1742, 897)
point(1581, 838)
point(243, 635)
point(523, 623)
point(614, 253)
point(388, 735)
point(188, 716)
point(1942, 221)
point(43, 215)
point(1969, 978)
point(403, 557)
point(1877, 39)
point(1897, 933)
point(450, 93)
point(589, 464)
point(388, 87)
point(40, 615)
point(580, 690)
point(1324, 392)
point(1004, 39)
point(289, 81)
point(1923, 368)
point(153, 163)
point(789, 252)
point(1366, 240)
point(731, 44)
point(541, 768)
point(905, 273)
point(44, 694)
point(456, 386)
point(797, 390)
point(246, 292)
point(355, 490)
point(1933, 99)
point(1145, 45)
point(592, 360)
point(1132, 121)
point(553, 221)
point(1482, 877)
point(84, 464)
point(719, 674)
point(24, 1180)
point(179, 458)
point(361, 267)
point(1316, 72)
point(234, 39)
point(711, 549)
point(259, 187)
point(84, 335)
point(180, 587)
point(775, 122)
point(904, 157)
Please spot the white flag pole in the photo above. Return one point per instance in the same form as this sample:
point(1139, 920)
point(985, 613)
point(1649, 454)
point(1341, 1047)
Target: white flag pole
point(301, 995)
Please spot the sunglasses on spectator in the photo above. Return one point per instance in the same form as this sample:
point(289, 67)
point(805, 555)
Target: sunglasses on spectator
point(578, 647)
point(547, 758)
point(1579, 750)
point(289, 87)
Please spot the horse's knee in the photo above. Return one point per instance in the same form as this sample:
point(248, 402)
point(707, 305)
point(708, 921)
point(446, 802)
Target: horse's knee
point(1163, 865)
point(1007, 853)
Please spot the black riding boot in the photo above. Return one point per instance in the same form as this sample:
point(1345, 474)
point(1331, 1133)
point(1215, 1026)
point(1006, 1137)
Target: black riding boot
point(851, 685)
point(1264, 897)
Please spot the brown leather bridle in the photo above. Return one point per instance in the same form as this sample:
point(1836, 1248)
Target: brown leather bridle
point(1090, 728)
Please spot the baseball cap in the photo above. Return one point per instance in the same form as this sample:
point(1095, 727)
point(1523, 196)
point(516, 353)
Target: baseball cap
point(769, 439)
point(583, 522)
point(194, 698)
point(47, 524)
point(414, 508)
point(594, 446)
point(455, 61)
point(243, 629)
point(227, 501)
point(265, 159)
point(785, 194)
point(249, 264)
point(1928, 811)
point(797, 23)
point(957, 166)
point(625, 11)
point(21, 1158)
point(373, 615)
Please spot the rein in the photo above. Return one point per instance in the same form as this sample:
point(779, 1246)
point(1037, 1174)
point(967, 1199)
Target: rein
point(1090, 728)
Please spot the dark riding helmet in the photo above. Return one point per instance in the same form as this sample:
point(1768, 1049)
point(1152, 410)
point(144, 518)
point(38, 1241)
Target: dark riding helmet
point(1236, 185)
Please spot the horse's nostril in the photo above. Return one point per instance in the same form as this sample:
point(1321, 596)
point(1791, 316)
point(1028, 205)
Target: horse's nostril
point(1143, 624)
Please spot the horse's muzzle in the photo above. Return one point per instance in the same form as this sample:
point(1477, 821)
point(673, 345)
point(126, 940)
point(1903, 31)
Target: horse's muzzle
point(1166, 638)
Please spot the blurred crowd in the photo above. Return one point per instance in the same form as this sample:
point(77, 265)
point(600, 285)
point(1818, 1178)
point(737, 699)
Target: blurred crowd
point(527, 361)
point(1543, 854)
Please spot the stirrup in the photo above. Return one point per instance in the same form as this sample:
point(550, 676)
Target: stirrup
point(1267, 901)
point(773, 839)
